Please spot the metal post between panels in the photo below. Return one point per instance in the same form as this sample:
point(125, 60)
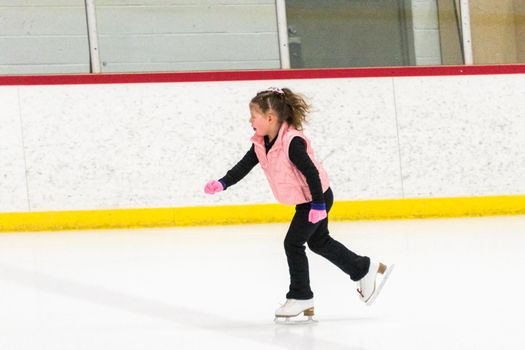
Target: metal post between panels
point(282, 32)
point(466, 32)
point(92, 36)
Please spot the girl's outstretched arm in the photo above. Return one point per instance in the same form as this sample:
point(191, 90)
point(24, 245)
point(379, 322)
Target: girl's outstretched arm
point(235, 174)
point(241, 169)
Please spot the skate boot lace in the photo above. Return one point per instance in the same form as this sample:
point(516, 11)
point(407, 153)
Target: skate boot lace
point(360, 291)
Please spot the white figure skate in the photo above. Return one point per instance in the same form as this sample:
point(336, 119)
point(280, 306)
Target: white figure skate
point(288, 313)
point(368, 291)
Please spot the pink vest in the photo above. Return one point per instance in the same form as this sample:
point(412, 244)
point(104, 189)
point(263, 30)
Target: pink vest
point(288, 185)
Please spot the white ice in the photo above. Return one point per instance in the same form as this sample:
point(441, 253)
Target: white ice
point(458, 284)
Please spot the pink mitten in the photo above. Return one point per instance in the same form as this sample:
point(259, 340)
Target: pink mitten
point(213, 186)
point(316, 215)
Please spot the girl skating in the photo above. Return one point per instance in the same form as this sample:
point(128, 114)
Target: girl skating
point(297, 178)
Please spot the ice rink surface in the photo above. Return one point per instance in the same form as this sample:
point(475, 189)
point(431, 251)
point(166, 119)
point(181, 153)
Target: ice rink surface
point(458, 284)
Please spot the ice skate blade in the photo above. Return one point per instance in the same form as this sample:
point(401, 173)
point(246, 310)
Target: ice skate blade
point(387, 273)
point(290, 320)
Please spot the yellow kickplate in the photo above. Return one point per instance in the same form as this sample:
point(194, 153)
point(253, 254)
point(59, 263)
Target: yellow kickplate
point(259, 213)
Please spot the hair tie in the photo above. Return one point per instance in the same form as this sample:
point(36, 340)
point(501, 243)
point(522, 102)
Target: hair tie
point(276, 90)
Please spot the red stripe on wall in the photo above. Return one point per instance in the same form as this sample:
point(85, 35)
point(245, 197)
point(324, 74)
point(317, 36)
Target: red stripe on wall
point(131, 78)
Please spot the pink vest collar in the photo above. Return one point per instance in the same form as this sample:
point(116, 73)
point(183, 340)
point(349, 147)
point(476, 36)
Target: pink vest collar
point(259, 140)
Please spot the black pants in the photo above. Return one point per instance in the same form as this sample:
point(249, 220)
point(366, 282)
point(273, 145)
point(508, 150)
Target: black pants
point(302, 231)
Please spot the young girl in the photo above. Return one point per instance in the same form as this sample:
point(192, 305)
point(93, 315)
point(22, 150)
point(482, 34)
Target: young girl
point(297, 178)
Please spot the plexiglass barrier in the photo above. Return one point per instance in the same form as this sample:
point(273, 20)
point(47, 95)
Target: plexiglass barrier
point(52, 36)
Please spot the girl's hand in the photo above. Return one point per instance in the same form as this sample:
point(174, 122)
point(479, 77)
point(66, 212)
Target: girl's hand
point(213, 186)
point(317, 215)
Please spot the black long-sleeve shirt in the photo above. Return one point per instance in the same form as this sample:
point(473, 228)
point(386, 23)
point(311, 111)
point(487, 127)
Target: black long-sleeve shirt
point(297, 154)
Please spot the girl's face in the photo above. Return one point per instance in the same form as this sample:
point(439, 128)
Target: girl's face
point(261, 122)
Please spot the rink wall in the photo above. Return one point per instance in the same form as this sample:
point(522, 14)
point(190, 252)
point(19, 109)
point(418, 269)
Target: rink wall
point(134, 150)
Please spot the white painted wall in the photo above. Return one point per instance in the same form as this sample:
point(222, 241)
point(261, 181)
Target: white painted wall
point(185, 35)
point(155, 145)
point(43, 36)
point(426, 32)
point(50, 36)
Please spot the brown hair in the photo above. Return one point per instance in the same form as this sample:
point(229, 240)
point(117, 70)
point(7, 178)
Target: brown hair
point(289, 106)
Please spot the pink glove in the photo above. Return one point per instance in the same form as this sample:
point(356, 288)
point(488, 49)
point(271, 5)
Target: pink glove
point(213, 187)
point(316, 215)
